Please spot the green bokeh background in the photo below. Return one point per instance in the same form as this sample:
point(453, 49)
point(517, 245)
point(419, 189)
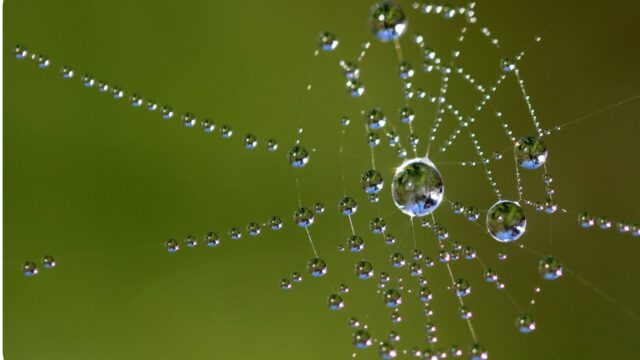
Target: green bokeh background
point(100, 185)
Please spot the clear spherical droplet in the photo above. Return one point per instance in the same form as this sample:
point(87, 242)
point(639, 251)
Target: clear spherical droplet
point(171, 245)
point(190, 241)
point(371, 181)
point(377, 225)
point(506, 221)
point(347, 205)
point(525, 323)
point(364, 270)
point(253, 229)
point(212, 239)
point(20, 52)
point(235, 233)
point(550, 268)
point(303, 217)
point(355, 243)
point(397, 260)
point(285, 284)
point(226, 131)
point(272, 145)
point(317, 267)
point(298, 156)
point(586, 220)
point(462, 287)
point(48, 262)
point(375, 119)
point(417, 187)
point(530, 152)
point(29, 268)
point(250, 141)
point(327, 41)
point(67, 72)
point(387, 351)
point(362, 339)
point(335, 302)
point(392, 298)
point(387, 21)
point(275, 223)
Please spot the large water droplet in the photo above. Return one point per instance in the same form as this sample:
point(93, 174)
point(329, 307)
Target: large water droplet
point(506, 221)
point(417, 187)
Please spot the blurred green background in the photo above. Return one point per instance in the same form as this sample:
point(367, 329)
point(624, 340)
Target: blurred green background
point(100, 185)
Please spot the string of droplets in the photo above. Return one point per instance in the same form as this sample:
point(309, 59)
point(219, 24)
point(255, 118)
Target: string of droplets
point(386, 349)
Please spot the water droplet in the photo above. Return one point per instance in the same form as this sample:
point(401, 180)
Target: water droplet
point(355, 87)
point(20, 52)
point(208, 126)
point(275, 223)
point(377, 225)
point(472, 213)
point(190, 241)
point(550, 268)
point(235, 233)
point(462, 287)
point(361, 339)
point(335, 302)
point(272, 145)
point(347, 206)
point(212, 239)
point(397, 260)
point(226, 131)
point(371, 181)
point(364, 270)
point(350, 70)
point(417, 187)
point(250, 141)
point(604, 223)
point(67, 72)
point(489, 275)
point(296, 277)
point(406, 114)
point(387, 351)
point(327, 41)
point(303, 217)
point(136, 100)
point(343, 288)
point(285, 284)
point(525, 323)
point(424, 294)
point(387, 21)
point(48, 262)
point(166, 112)
point(317, 267)
point(117, 92)
point(29, 268)
point(253, 229)
point(355, 243)
point(530, 152)
point(477, 352)
point(405, 70)
point(298, 156)
point(506, 221)
point(43, 61)
point(87, 80)
point(507, 64)
point(189, 120)
point(373, 139)
point(375, 119)
point(171, 245)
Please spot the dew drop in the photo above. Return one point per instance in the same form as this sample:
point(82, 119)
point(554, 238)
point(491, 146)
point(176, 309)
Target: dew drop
point(550, 268)
point(506, 221)
point(531, 152)
point(317, 267)
point(327, 41)
point(29, 268)
point(298, 156)
point(387, 21)
point(171, 245)
point(303, 217)
point(417, 187)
